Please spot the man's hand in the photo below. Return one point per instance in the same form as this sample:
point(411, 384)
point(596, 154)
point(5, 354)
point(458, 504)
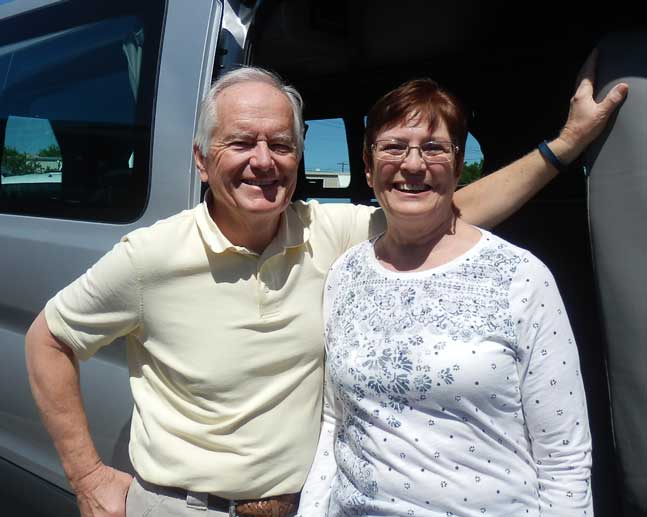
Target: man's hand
point(102, 493)
point(586, 117)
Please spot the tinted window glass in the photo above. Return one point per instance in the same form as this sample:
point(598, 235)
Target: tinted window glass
point(31, 152)
point(76, 97)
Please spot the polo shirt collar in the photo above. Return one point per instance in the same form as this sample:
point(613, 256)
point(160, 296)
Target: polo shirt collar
point(292, 231)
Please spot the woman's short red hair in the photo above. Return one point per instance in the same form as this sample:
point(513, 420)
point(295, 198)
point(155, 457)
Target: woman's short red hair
point(418, 99)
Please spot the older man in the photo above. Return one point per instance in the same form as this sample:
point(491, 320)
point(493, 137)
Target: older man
point(221, 308)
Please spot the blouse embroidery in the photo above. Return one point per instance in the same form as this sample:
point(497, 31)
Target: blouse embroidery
point(456, 391)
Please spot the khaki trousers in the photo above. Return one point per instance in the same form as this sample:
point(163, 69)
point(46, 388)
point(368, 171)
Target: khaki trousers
point(146, 500)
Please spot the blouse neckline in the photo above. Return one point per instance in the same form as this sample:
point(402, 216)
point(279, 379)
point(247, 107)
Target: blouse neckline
point(465, 256)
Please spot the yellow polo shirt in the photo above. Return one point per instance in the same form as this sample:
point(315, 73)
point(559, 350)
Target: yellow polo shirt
point(225, 346)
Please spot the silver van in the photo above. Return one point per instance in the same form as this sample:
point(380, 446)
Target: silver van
point(98, 106)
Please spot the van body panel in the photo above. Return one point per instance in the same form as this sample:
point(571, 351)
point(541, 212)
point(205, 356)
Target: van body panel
point(42, 255)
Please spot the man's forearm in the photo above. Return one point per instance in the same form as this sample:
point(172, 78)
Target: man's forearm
point(54, 377)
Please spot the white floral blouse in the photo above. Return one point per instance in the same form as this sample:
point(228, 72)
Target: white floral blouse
point(454, 391)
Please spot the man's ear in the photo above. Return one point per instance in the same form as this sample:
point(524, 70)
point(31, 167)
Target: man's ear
point(368, 169)
point(200, 163)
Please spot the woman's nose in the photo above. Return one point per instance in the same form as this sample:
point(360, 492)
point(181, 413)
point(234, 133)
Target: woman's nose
point(413, 160)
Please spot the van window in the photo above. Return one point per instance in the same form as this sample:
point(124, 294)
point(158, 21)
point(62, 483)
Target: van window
point(76, 98)
point(473, 162)
point(326, 153)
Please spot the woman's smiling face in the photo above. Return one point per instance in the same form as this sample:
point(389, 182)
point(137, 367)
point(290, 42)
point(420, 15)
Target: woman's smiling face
point(413, 187)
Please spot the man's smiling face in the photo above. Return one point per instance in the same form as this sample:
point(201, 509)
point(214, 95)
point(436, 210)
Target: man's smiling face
point(251, 166)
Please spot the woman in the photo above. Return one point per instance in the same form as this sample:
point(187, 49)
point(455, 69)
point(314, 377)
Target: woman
point(454, 370)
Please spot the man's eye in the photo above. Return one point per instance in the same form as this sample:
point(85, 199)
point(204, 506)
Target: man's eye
point(241, 145)
point(280, 148)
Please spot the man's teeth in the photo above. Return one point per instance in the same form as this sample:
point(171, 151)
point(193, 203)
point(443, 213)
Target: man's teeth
point(411, 187)
point(259, 183)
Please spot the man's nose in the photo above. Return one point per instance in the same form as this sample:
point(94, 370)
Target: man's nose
point(261, 157)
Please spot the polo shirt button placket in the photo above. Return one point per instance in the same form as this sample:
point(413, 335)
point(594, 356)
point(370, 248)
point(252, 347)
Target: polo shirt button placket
point(261, 281)
point(263, 292)
point(264, 298)
point(266, 278)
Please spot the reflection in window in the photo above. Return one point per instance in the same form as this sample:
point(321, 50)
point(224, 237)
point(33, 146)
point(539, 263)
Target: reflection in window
point(326, 153)
point(31, 152)
point(76, 94)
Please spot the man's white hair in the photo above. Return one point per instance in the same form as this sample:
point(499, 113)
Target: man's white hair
point(209, 118)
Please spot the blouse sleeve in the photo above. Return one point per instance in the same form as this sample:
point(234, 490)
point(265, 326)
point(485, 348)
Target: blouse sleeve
point(315, 495)
point(552, 393)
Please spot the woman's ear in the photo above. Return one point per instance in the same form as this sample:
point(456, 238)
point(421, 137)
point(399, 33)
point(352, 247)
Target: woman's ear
point(368, 170)
point(458, 169)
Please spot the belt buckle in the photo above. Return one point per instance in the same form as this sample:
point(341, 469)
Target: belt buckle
point(232, 508)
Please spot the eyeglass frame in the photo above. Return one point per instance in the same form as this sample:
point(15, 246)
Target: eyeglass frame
point(455, 149)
